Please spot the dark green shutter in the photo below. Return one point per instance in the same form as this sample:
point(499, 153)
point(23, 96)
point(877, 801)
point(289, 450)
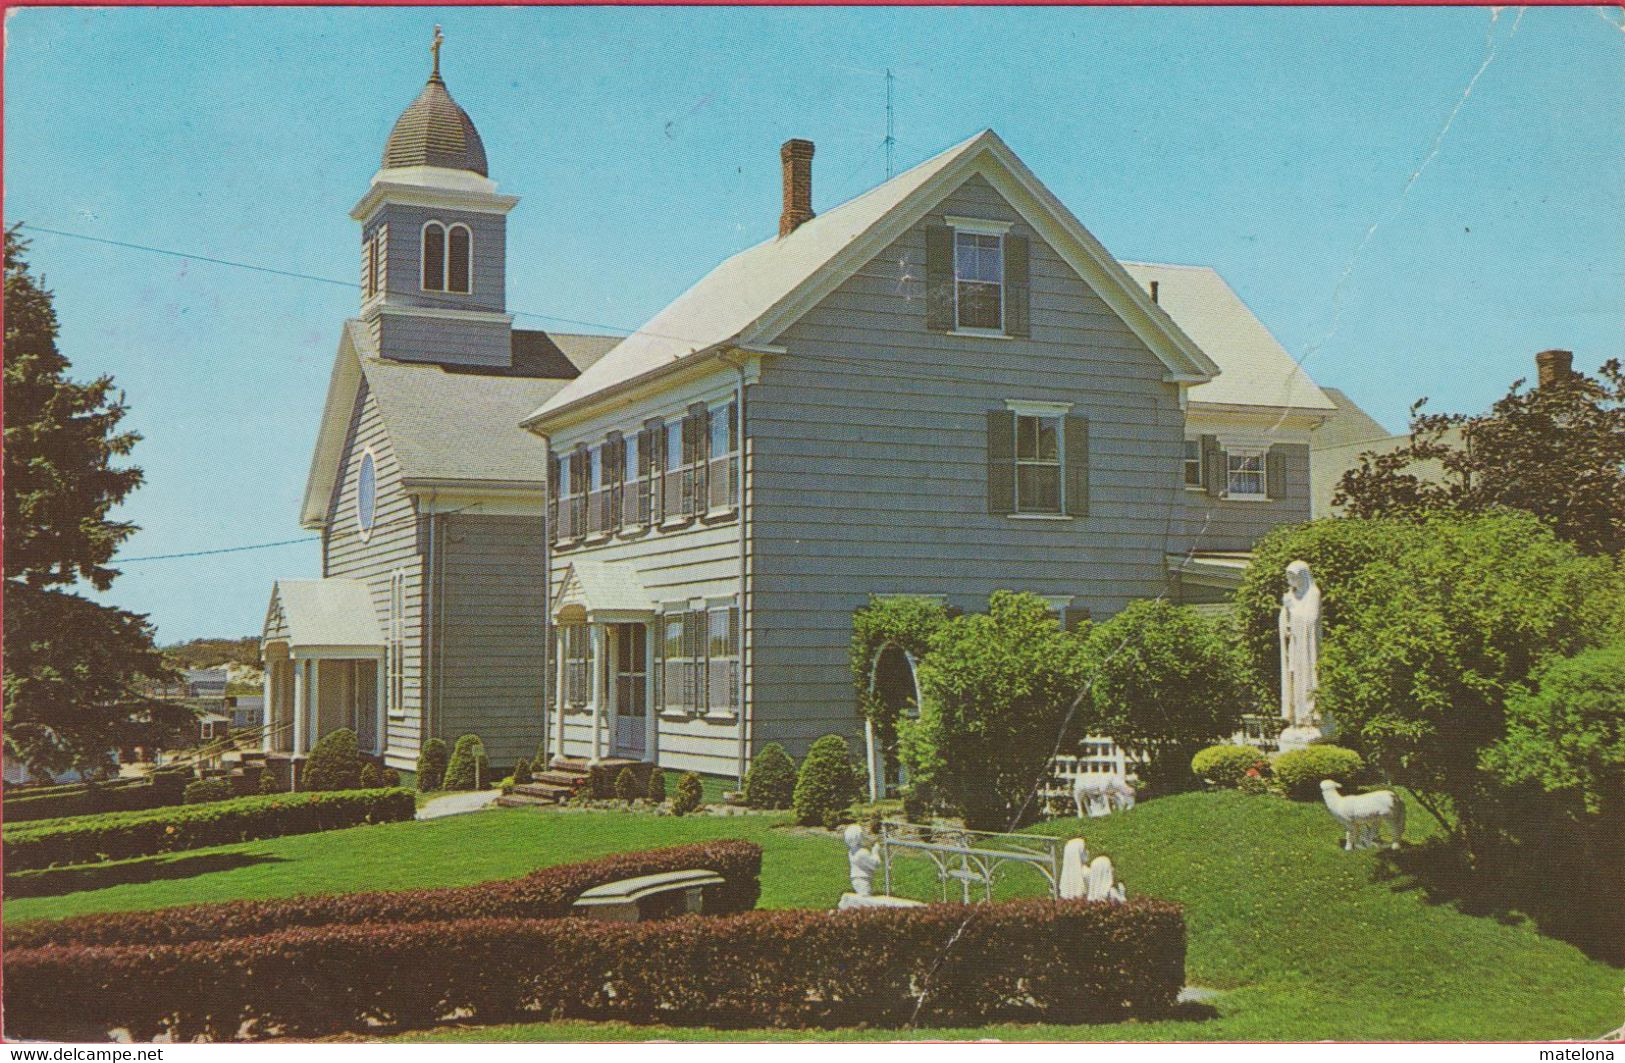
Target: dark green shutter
point(1074, 617)
point(1017, 290)
point(1077, 466)
point(1274, 473)
point(1214, 473)
point(939, 278)
point(1001, 461)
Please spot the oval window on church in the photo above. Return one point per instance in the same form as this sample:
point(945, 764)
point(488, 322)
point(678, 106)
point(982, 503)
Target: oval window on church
point(366, 494)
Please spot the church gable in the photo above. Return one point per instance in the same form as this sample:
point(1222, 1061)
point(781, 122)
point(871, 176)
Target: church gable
point(368, 509)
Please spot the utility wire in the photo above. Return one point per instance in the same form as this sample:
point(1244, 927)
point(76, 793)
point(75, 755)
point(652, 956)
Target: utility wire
point(220, 550)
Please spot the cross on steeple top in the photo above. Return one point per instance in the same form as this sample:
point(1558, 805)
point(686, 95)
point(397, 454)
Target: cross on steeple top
point(434, 50)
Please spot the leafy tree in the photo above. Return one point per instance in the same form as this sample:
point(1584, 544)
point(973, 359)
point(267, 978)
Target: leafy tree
point(76, 671)
point(1004, 691)
point(1557, 451)
point(1167, 681)
point(771, 780)
point(335, 763)
point(1432, 641)
point(212, 653)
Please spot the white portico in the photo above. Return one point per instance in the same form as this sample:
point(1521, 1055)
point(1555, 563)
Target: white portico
point(324, 665)
point(603, 693)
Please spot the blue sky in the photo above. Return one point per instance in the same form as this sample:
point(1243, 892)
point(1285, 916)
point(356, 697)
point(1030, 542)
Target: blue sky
point(644, 142)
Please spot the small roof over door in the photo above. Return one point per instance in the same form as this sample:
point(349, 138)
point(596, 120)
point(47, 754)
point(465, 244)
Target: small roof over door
point(324, 613)
point(602, 592)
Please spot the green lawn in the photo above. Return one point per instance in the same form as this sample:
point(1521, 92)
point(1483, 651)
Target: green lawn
point(1302, 941)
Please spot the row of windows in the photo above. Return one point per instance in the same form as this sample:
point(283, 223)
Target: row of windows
point(1245, 470)
point(666, 471)
point(447, 260)
point(696, 663)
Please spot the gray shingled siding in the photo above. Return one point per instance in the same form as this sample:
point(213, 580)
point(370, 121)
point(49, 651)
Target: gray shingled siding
point(491, 643)
point(393, 544)
point(406, 337)
point(404, 272)
point(1222, 524)
point(699, 560)
point(871, 471)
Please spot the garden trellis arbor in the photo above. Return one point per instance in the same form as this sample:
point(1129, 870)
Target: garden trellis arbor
point(972, 858)
point(900, 625)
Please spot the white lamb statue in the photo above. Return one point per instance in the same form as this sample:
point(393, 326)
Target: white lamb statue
point(1102, 882)
point(1098, 795)
point(1363, 815)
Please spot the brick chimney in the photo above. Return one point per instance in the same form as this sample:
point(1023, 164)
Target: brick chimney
point(796, 158)
point(1553, 366)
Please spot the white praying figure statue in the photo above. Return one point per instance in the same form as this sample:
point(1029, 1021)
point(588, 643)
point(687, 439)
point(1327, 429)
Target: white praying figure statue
point(862, 862)
point(1300, 647)
point(1102, 881)
point(1074, 883)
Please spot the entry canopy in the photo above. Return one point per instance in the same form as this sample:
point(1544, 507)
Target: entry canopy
point(322, 613)
point(602, 592)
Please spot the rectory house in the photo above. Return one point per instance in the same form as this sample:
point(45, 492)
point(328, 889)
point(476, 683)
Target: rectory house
point(651, 547)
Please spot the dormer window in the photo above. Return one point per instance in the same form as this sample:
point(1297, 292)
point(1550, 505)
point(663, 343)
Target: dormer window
point(448, 257)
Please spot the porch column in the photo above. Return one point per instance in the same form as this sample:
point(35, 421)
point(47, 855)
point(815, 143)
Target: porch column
point(313, 697)
point(298, 706)
point(267, 707)
point(558, 691)
point(598, 702)
point(380, 681)
point(651, 723)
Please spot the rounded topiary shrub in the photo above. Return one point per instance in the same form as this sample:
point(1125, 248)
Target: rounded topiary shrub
point(1228, 765)
point(1300, 771)
point(389, 778)
point(371, 777)
point(205, 790)
point(626, 786)
point(521, 772)
point(826, 785)
point(771, 780)
point(335, 763)
point(463, 769)
point(657, 786)
point(268, 784)
point(690, 794)
point(432, 765)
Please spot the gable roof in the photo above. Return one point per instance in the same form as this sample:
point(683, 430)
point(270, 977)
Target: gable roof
point(1349, 424)
point(447, 422)
point(324, 612)
point(601, 588)
point(754, 296)
point(1257, 370)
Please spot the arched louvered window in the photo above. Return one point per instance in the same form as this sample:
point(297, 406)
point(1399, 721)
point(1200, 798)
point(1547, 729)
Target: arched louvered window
point(459, 260)
point(434, 257)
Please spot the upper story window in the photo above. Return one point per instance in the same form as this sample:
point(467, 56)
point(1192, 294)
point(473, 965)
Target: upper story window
point(1038, 464)
point(1244, 473)
point(366, 494)
point(371, 278)
point(1193, 463)
point(979, 280)
point(448, 257)
point(723, 449)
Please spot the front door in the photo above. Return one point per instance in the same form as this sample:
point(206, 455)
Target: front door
point(631, 690)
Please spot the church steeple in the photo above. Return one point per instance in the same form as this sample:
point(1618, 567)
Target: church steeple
point(434, 238)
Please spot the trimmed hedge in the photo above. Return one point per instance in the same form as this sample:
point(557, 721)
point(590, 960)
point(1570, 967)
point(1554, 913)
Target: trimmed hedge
point(771, 780)
point(1227, 765)
point(1033, 960)
point(117, 835)
point(335, 763)
point(544, 893)
point(163, 787)
point(1300, 771)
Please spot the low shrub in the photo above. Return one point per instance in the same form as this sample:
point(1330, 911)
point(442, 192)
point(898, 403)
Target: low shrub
point(1228, 765)
point(463, 770)
point(432, 765)
point(1300, 771)
point(1029, 961)
point(771, 780)
point(335, 763)
point(390, 778)
point(602, 777)
point(690, 795)
point(626, 786)
point(826, 785)
point(118, 835)
point(370, 776)
point(544, 893)
point(85, 799)
point(202, 791)
point(268, 784)
point(657, 787)
point(521, 772)
point(918, 802)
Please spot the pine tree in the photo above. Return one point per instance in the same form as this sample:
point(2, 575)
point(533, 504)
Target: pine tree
point(75, 669)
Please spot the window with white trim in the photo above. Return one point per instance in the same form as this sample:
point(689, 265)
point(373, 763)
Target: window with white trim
point(722, 658)
point(395, 650)
point(1244, 472)
point(575, 651)
point(978, 280)
point(1193, 463)
point(697, 660)
point(723, 451)
point(1038, 464)
point(448, 258)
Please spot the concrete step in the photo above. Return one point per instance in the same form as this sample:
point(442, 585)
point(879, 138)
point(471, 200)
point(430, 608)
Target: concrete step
point(563, 779)
point(517, 800)
point(548, 791)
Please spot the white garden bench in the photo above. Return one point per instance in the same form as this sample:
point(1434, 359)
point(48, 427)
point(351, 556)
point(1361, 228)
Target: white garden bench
point(624, 901)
